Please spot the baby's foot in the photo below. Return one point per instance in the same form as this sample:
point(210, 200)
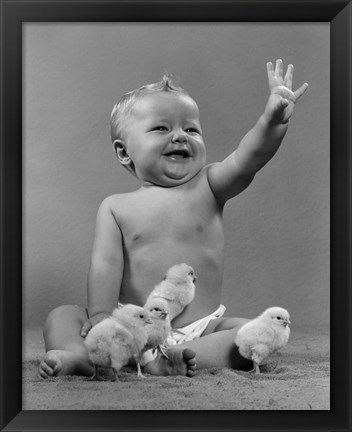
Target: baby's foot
point(60, 362)
point(178, 362)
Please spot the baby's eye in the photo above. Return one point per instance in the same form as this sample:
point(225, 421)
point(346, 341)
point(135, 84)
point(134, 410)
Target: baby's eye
point(160, 128)
point(192, 130)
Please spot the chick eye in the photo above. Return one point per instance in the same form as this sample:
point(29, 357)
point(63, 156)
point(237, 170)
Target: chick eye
point(279, 318)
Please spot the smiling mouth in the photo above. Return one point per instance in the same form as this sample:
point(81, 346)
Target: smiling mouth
point(178, 154)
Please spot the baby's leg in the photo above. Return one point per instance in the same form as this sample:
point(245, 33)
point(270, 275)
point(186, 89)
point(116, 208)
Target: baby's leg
point(215, 348)
point(220, 335)
point(65, 351)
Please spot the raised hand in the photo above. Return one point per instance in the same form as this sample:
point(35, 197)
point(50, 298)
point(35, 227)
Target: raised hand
point(282, 99)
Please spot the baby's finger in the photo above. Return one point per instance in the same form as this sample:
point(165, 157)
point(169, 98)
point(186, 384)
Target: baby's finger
point(288, 76)
point(270, 68)
point(298, 93)
point(85, 329)
point(271, 72)
point(278, 68)
point(271, 75)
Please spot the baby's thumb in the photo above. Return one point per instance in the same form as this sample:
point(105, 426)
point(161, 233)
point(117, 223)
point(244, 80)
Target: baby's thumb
point(279, 106)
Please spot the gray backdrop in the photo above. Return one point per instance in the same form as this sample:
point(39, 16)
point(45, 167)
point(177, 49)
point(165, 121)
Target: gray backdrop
point(277, 231)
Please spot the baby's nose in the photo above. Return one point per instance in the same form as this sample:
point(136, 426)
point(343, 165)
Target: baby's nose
point(180, 137)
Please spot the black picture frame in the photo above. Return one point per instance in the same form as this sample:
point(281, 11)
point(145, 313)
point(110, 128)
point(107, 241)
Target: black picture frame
point(13, 14)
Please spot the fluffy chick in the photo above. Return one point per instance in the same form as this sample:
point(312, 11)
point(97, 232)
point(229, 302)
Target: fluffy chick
point(118, 338)
point(263, 335)
point(177, 288)
point(161, 327)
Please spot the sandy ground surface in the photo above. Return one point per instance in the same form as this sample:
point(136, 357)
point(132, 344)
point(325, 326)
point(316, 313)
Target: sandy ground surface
point(297, 378)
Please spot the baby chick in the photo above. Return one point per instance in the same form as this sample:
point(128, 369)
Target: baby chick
point(177, 288)
point(118, 338)
point(263, 335)
point(161, 327)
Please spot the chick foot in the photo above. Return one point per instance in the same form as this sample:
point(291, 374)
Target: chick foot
point(60, 362)
point(178, 362)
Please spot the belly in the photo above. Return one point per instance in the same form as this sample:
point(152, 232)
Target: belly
point(147, 265)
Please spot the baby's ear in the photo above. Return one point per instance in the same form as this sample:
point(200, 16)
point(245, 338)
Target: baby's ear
point(121, 152)
point(123, 156)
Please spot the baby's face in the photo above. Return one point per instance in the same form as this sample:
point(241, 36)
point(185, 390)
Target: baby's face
point(163, 138)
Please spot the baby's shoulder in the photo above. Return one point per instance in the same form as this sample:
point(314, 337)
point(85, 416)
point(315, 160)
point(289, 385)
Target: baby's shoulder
point(118, 204)
point(118, 199)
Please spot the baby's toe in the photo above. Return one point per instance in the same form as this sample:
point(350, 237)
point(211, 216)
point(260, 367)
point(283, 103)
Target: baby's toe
point(192, 367)
point(50, 365)
point(188, 354)
point(189, 357)
point(191, 362)
point(45, 370)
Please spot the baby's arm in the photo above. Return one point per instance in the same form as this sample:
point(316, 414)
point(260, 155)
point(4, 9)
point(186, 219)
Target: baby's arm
point(106, 268)
point(259, 145)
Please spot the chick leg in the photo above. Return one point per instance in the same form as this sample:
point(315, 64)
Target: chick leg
point(116, 365)
point(103, 373)
point(116, 377)
point(95, 373)
point(256, 362)
point(139, 373)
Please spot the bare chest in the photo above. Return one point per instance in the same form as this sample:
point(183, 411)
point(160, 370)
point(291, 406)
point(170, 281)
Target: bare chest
point(169, 215)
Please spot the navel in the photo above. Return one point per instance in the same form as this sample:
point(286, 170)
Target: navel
point(200, 228)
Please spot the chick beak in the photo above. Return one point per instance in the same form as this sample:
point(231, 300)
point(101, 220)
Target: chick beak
point(164, 315)
point(286, 322)
point(149, 321)
point(194, 279)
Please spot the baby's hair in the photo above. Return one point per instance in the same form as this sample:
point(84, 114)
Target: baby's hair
point(124, 107)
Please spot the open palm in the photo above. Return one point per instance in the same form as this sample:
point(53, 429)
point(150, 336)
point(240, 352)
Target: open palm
point(282, 99)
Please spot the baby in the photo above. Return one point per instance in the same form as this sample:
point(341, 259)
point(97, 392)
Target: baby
point(174, 217)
